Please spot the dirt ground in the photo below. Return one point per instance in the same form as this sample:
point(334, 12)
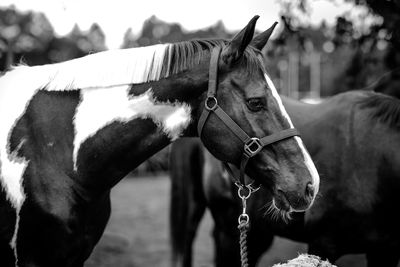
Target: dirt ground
point(137, 234)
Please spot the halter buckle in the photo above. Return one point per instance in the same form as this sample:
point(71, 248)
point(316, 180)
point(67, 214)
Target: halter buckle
point(252, 147)
point(211, 100)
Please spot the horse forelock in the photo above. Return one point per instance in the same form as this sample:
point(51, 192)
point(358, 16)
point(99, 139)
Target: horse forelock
point(383, 108)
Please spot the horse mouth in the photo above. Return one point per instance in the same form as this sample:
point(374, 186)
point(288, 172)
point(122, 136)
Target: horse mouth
point(279, 208)
point(284, 202)
point(281, 202)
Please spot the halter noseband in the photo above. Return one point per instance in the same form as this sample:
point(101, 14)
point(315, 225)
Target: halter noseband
point(252, 145)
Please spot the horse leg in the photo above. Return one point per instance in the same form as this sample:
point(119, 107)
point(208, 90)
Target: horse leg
point(183, 229)
point(188, 202)
point(387, 256)
point(195, 215)
point(183, 232)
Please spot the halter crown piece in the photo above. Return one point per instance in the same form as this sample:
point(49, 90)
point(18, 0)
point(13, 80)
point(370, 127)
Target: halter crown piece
point(252, 145)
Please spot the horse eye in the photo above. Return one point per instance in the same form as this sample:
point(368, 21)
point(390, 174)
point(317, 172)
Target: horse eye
point(255, 104)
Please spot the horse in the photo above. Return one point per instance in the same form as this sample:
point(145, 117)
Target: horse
point(70, 131)
point(353, 139)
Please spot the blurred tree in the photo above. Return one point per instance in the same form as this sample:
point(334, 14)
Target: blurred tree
point(28, 37)
point(376, 48)
point(389, 10)
point(358, 56)
point(129, 39)
point(157, 31)
point(344, 32)
point(89, 41)
point(22, 33)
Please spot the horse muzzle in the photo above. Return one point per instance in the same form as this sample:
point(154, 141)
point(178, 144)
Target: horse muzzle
point(294, 201)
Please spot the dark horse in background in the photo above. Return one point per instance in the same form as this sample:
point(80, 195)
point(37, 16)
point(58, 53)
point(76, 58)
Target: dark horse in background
point(70, 131)
point(354, 140)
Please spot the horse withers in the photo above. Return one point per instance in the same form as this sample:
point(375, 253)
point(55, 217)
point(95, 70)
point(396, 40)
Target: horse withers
point(70, 131)
point(354, 141)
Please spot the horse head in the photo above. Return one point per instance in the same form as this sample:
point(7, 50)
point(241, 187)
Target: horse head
point(247, 95)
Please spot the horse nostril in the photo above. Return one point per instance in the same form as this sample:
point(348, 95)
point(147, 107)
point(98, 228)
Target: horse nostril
point(310, 190)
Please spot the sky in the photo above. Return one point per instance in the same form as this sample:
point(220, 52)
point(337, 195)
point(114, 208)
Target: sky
point(116, 16)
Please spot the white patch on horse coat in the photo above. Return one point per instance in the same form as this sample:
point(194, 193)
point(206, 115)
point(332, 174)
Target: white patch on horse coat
point(13, 102)
point(100, 107)
point(307, 158)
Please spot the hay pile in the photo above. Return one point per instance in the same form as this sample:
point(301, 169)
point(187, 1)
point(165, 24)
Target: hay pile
point(305, 260)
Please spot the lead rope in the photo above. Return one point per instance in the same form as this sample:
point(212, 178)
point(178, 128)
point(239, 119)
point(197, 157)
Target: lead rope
point(244, 223)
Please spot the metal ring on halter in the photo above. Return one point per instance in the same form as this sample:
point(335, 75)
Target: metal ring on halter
point(241, 192)
point(252, 146)
point(215, 104)
point(244, 217)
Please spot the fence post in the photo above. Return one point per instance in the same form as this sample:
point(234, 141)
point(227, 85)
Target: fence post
point(315, 75)
point(293, 75)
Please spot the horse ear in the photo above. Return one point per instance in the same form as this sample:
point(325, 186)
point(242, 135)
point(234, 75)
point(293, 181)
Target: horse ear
point(235, 49)
point(261, 40)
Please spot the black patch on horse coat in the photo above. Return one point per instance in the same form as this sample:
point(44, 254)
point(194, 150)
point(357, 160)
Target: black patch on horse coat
point(178, 84)
point(47, 129)
point(116, 149)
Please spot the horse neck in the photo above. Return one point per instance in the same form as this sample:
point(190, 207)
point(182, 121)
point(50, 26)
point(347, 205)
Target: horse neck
point(299, 112)
point(154, 115)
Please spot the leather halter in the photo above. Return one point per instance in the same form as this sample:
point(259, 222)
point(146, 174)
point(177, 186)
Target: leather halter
point(252, 145)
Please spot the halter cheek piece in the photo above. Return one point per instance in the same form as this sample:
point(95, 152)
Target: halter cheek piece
point(252, 145)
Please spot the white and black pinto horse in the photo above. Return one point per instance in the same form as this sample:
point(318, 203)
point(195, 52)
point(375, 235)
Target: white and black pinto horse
point(70, 131)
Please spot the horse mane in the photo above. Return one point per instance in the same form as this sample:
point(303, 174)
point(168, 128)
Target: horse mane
point(129, 66)
point(182, 55)
point(384, 108)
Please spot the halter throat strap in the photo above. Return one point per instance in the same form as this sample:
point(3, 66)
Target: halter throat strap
point(252, 145)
